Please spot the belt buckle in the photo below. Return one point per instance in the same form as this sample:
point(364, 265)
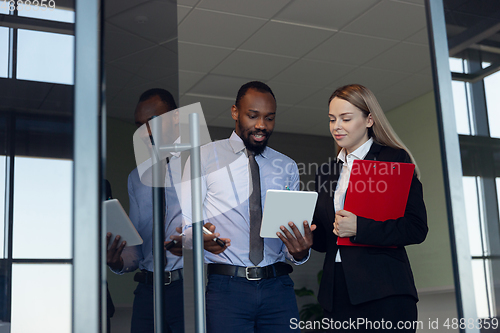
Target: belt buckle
point(247, 274)
point(168, 277)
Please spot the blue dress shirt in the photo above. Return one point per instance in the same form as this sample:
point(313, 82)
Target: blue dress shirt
point(225, 198)
point(141, 215)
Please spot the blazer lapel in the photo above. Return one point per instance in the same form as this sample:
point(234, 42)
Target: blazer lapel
point(373, 152)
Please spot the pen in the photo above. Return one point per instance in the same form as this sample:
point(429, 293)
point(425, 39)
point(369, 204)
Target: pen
point(216, 239)
point(172, 243)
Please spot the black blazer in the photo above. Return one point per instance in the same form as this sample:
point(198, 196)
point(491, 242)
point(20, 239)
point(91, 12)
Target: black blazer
point(371, 272)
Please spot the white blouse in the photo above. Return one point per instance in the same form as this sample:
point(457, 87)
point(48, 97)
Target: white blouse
point(345, 175)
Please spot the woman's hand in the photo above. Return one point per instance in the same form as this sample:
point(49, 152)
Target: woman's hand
point(345, 224)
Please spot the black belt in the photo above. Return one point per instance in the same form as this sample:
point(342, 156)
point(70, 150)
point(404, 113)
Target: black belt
point(146, 277)
point(253, 272)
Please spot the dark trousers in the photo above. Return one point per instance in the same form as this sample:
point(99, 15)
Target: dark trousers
point(236, 305)
point(389, 314)
point(143, 309)
point(110, 309)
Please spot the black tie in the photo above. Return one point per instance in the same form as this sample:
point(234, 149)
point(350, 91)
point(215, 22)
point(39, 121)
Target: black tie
point(256, 242)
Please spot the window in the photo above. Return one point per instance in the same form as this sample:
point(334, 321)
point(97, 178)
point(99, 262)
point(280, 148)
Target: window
point(4, 52)
point(42, 208)
point(460, 98)
point(44, 292)
point(491, 89)
point(51, 13)
point(481, 263)
point(53, 60)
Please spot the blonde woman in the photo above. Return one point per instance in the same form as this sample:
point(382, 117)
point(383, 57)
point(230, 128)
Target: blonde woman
point(370, 286)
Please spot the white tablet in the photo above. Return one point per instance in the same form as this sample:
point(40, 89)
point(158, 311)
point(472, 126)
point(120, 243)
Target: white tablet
point(282, 207)
point(118, 223)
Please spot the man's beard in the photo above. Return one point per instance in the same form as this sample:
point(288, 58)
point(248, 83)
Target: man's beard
point(256, 148)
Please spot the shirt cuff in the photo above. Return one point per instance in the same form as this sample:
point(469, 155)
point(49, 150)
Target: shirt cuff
point(300, 262)
point(119, 272)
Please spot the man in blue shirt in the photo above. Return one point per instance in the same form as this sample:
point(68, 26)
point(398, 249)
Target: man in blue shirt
point(249, 289)
point(121, 259)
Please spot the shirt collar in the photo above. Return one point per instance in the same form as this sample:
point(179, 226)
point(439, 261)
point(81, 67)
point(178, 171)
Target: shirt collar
point(358, 154)
point(238, 145)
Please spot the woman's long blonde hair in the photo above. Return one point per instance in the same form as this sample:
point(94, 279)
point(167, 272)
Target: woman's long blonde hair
point(381, 131)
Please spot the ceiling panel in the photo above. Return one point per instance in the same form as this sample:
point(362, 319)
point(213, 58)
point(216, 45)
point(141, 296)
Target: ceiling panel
point(426, 71)
point(319, 100)
point(256, 8)
point(418, 2)
point(147, 20)
point(420, 37)
point(212, 107)
point(404, 92)
point(286, 39)
point(182, 12)
point(290, 94)
point(390, 19)
point(332, 14)
point(127, 98)
point(113, 7)
point(200, 58)
point(125, 103)
point(404, 57)
point(157, 56)
point(253, 65)
point(170, 83)
point(374, 79)
point(117, 77)
point(171, 45)
point(120, 43)
point(217, 29)
point(314, 73)
point(190, 3)
point(188, 80)
point(411, 87)
point(350, 48)
point(219, 86)
point(135, 82)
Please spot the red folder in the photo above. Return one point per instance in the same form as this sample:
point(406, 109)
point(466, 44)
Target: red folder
point(377, 190)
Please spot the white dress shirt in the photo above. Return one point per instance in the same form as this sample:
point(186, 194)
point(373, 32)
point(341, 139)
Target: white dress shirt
point(345, 175)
